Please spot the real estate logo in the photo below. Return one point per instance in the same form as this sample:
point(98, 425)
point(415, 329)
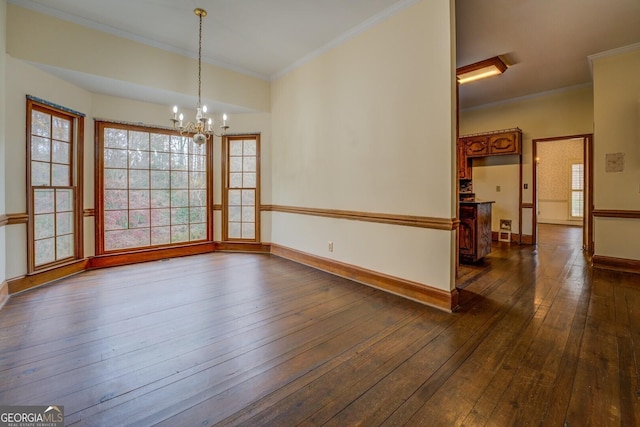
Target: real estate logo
point(31, 416)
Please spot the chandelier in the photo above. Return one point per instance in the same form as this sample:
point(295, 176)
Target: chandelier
point(202, 127)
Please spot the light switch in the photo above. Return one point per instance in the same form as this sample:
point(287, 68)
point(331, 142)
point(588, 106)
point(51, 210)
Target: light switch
point(497, 188)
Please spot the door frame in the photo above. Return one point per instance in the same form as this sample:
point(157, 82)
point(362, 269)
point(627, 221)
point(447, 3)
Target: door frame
point(587, 150)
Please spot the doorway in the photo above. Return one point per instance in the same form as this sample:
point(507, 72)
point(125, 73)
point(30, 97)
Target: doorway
point(562, 188)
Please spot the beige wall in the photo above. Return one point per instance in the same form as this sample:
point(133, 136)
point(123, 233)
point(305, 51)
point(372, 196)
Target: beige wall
point(43, 39)
point(3, 180)
point(617, 105)
point(565, 113)
point(369, 126)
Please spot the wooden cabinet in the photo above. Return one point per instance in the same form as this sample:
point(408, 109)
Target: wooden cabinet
point(474, 234)
point(504, 143)
point(475, 146)
point(464, 164)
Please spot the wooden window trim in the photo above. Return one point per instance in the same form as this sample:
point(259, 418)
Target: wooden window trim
point(139, 253)
point(225, 187)
point(76, 167)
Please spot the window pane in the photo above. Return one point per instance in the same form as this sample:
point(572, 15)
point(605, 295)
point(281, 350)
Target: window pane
point(235, 148)
point(60, 175)
point(160, 179)
point(249, 164)
point(64, 247)
point(44, 251)
point(139, 141)
point(44, 226)
point(115, 178)
point(577, 203)
point(160, 161)
point(198, 163)
point(179, 179)
point(179, 144)
point(235, 231)
point(248, 214)
point(160, 235)
point(179, 233)
point(138, 199)
point(64, 200)
point(61, 152)
point(139, 179)
point(198, 180)
point(116, 199)
point(248, 230)
point(179, 161)
point(115, 159)
point(115, 138)
point(61, 129)
point(180, 216)
point(235, 213)
point(160, 217)
point(197, 215)
point(249, 180)
point(179, 198)
point(235, 164)
point(40, 149)
point(40, 174)
point(116, 220)
point(197, 198)
point(160, 142)
point(198, 232)
point(40, 124)
point(64, 223)
point(248, 197)
point(250, 147)
point(43, 201)
point(160, 198)
point(139, 218)
point(235, 180)
point(235, 197)
point(139, 159)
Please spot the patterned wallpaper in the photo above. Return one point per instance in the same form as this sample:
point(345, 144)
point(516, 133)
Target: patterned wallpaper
point(554, 168)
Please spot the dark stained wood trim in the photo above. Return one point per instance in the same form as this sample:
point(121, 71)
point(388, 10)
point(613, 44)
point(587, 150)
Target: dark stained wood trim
point(4, 294)
point(405, 220)
point(405, 288)
point(526, 239)
point(522, 239)
point(217, 207)
point(154, 254)
point(42, 277)
point(619, 264)
point(527, 206)
point(89, 212)
point(608, 213)
point(4, 220)
point(243, 247)
point(19, 218)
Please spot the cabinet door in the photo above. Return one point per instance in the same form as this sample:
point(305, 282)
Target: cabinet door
point(466, 238)
point(504, 143)
point(476, 146)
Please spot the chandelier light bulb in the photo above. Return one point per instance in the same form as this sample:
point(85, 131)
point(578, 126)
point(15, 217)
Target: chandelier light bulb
point(175, 109)
point(204, 109)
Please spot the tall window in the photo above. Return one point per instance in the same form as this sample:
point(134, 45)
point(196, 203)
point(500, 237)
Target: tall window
point(53, 179)
point(154, 189)
point(577, 190)
point(241, 205)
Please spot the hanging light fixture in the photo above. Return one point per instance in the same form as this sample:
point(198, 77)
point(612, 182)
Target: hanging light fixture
point(202, 126)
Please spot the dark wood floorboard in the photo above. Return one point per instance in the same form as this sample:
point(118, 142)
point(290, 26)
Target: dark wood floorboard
point(224, 339)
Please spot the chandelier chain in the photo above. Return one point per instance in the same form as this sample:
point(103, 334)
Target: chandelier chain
point(200, 63)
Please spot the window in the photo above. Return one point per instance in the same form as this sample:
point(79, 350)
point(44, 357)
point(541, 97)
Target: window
point(241, 212)
point(577, 190)
point(154, 188)
point(54, 175)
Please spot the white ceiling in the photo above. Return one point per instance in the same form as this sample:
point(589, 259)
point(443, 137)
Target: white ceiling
point(548, 41)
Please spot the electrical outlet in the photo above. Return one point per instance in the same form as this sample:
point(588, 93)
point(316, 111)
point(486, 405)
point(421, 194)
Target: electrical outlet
point(330, 246)
point(497, 188)
point(526, 186)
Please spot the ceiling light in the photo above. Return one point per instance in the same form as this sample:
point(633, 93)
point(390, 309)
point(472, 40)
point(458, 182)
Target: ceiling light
point(202, 126)
point(480, 70)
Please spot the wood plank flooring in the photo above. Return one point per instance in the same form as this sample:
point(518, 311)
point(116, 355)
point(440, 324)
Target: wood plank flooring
point(248, 339)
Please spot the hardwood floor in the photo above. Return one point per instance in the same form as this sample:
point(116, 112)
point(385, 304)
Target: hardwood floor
point(247, 339)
